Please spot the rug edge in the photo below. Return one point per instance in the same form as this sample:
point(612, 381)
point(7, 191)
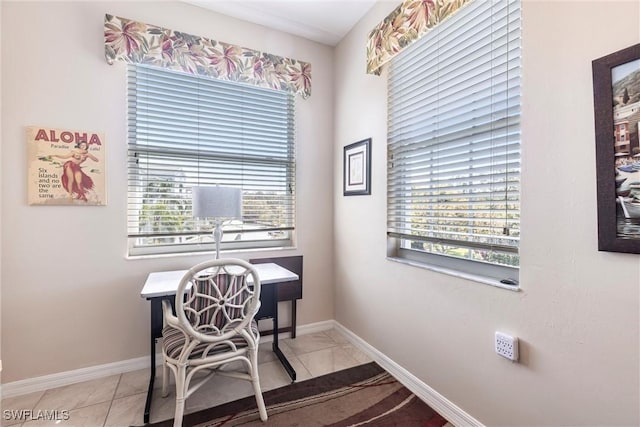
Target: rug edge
point(332, 380)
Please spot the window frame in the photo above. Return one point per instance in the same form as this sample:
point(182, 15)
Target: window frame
point(281, 237)
point(398, 247)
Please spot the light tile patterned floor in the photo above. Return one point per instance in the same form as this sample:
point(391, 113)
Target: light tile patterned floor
point(119, 400)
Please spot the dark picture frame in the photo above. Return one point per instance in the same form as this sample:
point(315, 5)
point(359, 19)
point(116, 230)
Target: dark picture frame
point(357, 168)
point(616, 96)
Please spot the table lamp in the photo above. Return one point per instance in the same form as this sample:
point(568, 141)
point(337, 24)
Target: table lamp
point(219, 203)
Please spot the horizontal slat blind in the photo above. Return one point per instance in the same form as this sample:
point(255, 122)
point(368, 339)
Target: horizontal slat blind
point(454, 137)
point(186, 131)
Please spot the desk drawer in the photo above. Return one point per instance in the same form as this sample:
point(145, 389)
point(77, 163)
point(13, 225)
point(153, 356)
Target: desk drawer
point(289, 290)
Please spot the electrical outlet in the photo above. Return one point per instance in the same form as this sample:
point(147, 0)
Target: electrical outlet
point(507, 346)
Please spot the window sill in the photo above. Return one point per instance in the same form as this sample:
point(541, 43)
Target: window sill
point(472, 277)
point(223, 254)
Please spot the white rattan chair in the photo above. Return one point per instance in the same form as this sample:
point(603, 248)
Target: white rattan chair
point(213, 325)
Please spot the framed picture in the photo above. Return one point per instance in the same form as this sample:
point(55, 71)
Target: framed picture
point(66, 167)
point(357, 168)
point(616, 93)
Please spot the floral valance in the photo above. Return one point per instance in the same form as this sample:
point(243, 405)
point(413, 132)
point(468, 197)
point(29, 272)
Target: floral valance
point(135, 42)
point(406, 24)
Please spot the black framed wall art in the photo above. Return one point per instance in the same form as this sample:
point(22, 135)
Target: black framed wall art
point(357, 168)
point(616, 94)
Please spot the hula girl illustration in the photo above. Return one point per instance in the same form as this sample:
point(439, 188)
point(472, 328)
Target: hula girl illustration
point(74, 180)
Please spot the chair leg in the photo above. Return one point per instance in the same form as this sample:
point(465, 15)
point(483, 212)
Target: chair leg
point(260, 401)
point(165, 379)
point(255, 380)
point(180, 395)
point(177, 419)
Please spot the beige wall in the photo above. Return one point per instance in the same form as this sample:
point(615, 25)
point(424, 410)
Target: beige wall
point(70, 299)
point(577, 315)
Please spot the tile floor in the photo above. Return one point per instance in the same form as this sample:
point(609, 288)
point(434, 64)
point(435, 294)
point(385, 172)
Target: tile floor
point(119, 400)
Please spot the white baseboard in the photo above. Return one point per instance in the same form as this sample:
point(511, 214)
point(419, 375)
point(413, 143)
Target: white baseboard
point(45, 382)
point(311, 328)
point(439, 403)
point(454, 414)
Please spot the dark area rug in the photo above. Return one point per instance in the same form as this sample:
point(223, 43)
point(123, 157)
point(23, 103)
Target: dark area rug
point(365, 395)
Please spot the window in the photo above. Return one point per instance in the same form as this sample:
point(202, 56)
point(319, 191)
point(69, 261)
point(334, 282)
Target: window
point(454, 144)
point(186, 131)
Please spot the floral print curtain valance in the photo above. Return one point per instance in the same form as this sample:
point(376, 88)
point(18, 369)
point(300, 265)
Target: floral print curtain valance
point(406, 24)
point(135, 42)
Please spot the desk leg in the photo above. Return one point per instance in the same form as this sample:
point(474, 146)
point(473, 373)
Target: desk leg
point(156, 332)
point(293, 318)
point(275, 347)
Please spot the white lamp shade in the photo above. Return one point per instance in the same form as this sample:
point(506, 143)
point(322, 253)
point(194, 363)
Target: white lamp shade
point(217, 202)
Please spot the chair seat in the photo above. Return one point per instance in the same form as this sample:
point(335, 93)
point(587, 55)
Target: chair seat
point(174, 340)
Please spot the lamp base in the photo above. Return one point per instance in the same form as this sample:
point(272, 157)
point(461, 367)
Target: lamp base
point(217, 236)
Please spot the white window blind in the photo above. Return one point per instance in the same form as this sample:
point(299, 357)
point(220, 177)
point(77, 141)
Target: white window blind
point(186, 131)
point(454, 138)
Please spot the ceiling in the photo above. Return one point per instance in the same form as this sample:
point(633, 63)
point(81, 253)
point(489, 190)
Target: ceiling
point(323, 21)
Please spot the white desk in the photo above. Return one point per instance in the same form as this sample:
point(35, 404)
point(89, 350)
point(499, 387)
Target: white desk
point(164, 284)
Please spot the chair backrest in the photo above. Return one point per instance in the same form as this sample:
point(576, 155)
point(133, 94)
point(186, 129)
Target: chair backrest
point(217, 299)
